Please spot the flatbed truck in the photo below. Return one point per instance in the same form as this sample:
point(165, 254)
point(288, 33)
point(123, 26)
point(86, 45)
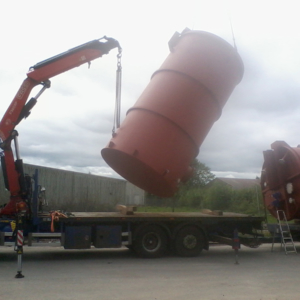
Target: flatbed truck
point(149, 235)
point(24, 222)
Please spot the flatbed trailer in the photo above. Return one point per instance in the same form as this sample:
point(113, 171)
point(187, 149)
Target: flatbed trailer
point(150, 235)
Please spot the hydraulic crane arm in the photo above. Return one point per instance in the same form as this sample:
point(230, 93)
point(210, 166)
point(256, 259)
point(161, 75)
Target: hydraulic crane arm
point(20, 108)
point(43, 71)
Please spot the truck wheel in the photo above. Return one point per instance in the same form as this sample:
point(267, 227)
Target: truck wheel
point(189, 241)
point(150, 242)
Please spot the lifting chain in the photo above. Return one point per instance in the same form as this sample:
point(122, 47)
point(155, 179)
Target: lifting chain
point(118, 92)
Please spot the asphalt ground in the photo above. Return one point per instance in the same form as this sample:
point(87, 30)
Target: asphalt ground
point(55, 273)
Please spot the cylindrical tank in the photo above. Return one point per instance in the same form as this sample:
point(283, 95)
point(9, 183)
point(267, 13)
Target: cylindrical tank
point(163, 131)
point(280, 180)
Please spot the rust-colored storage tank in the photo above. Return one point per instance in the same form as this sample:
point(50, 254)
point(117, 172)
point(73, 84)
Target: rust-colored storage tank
point(280, 180)
point(163, 131)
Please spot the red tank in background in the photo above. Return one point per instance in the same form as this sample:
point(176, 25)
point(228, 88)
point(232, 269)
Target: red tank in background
point(280, 180)
point(162, 132)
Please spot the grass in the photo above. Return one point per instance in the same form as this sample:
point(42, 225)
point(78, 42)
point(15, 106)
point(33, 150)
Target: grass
point(272, 220)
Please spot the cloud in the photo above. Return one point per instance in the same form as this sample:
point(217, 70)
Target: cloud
point(264, 107)
point(73, 120)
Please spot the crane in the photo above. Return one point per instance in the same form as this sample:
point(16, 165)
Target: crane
point(15, 180)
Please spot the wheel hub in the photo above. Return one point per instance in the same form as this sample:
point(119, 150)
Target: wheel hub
point(151, 242)
point(190, 241)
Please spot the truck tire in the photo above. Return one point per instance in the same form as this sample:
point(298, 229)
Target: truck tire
point(150, 242)
point(189, 241)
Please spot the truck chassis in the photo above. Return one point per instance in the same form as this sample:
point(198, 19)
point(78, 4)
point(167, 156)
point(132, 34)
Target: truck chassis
point(150, 235)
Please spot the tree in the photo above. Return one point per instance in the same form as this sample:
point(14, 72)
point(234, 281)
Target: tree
point(222, 197)
point(218, 197)
point(191, 193)
point(201, 176)
point(247, 201)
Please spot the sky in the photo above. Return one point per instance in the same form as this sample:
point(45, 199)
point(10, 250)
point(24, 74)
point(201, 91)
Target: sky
point(73, 120)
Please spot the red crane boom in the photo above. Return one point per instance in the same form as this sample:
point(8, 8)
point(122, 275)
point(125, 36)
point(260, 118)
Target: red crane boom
point(15, 180)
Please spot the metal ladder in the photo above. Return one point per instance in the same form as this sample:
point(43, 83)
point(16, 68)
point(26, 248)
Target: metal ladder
point(286, 237)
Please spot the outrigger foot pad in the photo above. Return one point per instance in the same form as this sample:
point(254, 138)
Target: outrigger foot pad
point(19, 275)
